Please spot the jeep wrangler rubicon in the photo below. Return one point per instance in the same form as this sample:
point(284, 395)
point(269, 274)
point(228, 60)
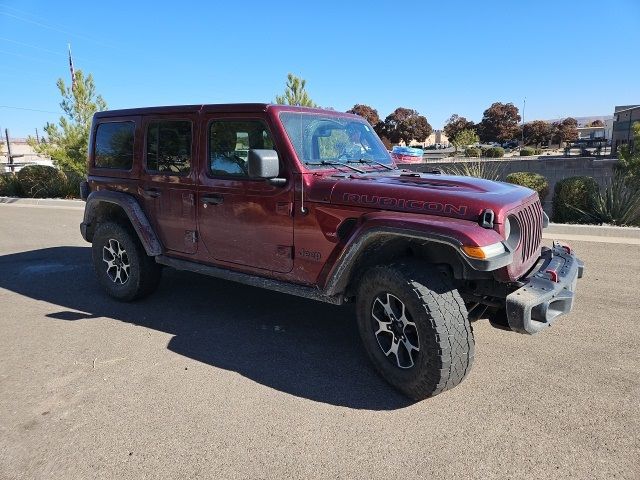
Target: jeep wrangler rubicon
point(309, 202)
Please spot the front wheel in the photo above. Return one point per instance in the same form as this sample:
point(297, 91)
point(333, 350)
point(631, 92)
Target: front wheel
point(415, 328)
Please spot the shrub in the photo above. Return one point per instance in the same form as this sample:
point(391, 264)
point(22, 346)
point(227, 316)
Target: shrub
point(41, 181)
point(9, 185)
point(71, 187)
point(534, 181)
point(573, 196)
point(494, 152)
point(527, 152)
point(487, 170)
point(472, 152)
point(619, 204)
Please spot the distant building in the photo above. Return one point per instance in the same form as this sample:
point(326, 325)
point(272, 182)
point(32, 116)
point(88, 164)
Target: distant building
point(624, 116)
point(588, 132)
point(437, 136)
point(23, 155)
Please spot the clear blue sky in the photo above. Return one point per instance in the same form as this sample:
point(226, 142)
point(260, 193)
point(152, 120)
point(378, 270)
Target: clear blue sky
point(573, 58)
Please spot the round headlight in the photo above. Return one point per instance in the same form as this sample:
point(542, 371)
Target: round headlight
point(507, 229)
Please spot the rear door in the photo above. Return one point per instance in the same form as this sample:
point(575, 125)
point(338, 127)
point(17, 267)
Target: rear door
point(168, 179)
point(242, 221)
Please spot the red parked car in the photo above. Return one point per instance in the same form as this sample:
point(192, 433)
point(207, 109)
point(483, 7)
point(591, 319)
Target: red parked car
point(309, 202)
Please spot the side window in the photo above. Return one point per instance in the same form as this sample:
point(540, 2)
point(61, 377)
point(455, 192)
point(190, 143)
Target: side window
point(169, 147)
point(230, 142)
point(114, 145)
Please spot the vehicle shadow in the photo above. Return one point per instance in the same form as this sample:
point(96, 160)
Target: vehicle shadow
point(298, 346)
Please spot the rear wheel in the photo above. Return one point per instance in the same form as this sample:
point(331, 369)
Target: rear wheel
point(414, 327)
point(123, 268)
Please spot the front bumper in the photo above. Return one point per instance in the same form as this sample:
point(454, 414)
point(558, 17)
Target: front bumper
point(547, 293)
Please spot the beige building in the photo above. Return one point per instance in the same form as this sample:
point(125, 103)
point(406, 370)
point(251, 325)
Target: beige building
point(437, 136)
point(23, 154)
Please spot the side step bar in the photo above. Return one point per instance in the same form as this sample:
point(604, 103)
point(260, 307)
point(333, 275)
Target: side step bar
point(252, 280)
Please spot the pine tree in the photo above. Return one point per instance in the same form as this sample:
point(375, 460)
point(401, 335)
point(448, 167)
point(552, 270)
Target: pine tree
point(295, 93)
point(67, 142)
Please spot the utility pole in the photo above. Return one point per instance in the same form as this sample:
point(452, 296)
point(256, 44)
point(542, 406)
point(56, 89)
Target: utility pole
point(9, 156)
point(524, 105)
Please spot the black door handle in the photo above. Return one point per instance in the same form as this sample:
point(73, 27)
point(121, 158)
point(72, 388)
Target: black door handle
point(212, 199)
point(151, 192)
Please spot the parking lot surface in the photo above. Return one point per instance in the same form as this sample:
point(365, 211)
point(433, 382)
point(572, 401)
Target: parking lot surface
point(211, 379)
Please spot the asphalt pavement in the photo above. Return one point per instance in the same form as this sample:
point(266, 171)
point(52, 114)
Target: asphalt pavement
point(211, 379)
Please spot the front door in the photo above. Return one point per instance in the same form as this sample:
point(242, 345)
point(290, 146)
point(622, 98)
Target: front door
point(242, 221)
point(168, 186)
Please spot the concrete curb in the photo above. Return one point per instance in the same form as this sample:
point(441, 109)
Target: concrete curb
point(42, 202)
point(592, 230)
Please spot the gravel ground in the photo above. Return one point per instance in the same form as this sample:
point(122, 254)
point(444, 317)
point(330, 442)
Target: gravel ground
point(210, 379)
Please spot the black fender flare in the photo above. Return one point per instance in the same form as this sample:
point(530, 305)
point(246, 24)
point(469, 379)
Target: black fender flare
point(131, 208)
point(340, 274)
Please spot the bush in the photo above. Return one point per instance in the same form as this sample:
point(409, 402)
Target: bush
point(41, 181)
point(472, 152)
point(9, 185)
point(534, 181)
point(527, 152)
point(572, 197)
point(71, 187)
point(494, 152)
point(488, 170)
point(619, 204)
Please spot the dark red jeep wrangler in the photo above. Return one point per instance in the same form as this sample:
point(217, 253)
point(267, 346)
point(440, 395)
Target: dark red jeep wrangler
point(309, 202)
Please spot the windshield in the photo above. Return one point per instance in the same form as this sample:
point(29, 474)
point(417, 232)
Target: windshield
point(322, 138)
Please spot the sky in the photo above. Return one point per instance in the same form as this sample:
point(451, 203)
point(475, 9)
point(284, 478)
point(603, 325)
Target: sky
point(566, 58)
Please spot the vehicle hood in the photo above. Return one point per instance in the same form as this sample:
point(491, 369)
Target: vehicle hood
point(434, 194)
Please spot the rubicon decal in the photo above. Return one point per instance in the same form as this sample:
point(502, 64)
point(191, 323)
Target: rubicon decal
point(391, 202)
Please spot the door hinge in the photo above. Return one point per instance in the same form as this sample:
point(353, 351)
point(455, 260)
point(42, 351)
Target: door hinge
point(191, 236)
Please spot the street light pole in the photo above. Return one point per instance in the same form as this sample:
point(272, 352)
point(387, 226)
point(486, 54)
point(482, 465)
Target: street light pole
point(524, 105)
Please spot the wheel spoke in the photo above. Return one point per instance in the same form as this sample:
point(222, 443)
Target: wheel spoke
point(409, 346)
point(394, 349)
point(383, 327)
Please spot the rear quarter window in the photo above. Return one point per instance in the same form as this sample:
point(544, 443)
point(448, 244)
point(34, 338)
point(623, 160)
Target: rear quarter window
point(114, 145)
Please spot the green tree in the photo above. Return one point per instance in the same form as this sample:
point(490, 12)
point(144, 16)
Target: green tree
point(295, 93)
point(67, 142)
point(456, 124)
point(629, 159)
point(464, 138)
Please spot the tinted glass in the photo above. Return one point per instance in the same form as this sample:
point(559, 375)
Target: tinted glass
point(229, 144)
point(169, 147)
point(114, 145)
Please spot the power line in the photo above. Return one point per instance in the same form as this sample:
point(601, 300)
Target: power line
point(54, 28)
point(30, 109)
point(28, 57)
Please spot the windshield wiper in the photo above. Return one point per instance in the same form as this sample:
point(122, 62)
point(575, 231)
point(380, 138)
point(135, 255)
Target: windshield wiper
point(331, 162)
point(368, 160)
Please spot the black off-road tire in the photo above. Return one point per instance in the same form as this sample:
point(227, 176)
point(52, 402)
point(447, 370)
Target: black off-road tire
point(143, 272)
point(444, 333)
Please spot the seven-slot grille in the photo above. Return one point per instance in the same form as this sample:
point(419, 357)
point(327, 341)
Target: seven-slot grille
point(530, 219)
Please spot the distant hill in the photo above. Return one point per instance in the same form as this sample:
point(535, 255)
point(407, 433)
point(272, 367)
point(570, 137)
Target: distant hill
point(582, 121)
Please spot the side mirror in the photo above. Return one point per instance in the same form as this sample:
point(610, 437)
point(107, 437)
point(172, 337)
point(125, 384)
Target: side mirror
point(263, 164)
